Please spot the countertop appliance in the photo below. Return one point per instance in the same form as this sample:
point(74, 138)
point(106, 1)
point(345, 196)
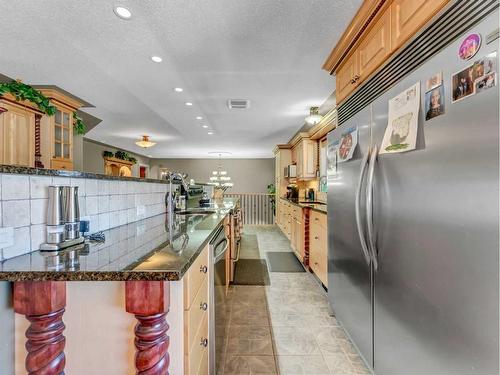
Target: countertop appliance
point(413, 237)
point(291, 171)
point(219, 281)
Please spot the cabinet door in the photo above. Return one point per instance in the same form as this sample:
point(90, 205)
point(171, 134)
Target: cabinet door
point(299, 159)
point(408, 16)
point(17, 135)
point(346, 74)
point(309, 159)
point(299, 238)
point(375, 47)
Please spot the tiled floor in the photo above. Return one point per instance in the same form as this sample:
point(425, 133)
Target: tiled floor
point(285, 328)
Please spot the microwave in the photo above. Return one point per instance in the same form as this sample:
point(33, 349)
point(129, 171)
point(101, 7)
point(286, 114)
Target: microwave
point(291, 171)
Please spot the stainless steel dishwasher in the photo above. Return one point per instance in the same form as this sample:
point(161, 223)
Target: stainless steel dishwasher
point(219, 318)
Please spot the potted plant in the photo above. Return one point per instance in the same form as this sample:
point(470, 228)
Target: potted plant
point(107, 154)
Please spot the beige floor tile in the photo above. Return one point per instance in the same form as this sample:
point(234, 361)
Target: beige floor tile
point(249, 332)
point(250, 365)
point(239, 346)
point(302, 365)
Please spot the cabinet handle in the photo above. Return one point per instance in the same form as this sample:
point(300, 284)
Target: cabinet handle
point(204, 342)
point(203, 306)
point(316, 219)
point(203, 269)
point(316, 238)
point(356, 77)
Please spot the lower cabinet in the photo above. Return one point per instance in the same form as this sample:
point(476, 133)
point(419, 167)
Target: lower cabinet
point(318, 246)
point(196, 308)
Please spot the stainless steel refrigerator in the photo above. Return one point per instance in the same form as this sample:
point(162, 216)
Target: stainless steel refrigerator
point(414, 236)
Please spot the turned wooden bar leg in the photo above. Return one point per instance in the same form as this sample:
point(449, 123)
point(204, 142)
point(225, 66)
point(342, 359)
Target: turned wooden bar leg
point(43, 303)
point(149, 301)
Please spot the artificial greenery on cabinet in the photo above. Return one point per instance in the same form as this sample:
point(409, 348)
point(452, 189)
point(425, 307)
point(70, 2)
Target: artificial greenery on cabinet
point(23, 92)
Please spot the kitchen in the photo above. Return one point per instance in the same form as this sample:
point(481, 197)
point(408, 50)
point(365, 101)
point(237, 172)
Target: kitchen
point(187, 190)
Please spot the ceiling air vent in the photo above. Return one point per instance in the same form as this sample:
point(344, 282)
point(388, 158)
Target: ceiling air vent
point(238, 103)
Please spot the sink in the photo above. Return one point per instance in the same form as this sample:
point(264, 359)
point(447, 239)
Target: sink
point(195, 211)
point(312, 202)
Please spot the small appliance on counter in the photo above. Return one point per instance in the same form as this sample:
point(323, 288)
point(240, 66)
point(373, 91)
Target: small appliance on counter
point(292, 192)
point(204, 200)
point(291, 171)
point(63, 219)
point(310, 194)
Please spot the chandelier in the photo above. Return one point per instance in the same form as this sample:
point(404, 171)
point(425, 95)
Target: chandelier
point(145, 142)
point(314, 116)
point(219, 177)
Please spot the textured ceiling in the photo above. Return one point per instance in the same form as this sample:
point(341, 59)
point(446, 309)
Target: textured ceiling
point(267, 51)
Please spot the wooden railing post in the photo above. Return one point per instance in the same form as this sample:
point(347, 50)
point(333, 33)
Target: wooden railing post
point(43, 303)
point(149, 301)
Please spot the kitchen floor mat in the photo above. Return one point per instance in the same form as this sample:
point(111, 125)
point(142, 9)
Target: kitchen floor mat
point(283, 261)
point(251, 272)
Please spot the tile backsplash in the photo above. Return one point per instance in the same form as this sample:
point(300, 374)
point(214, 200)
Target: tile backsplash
point(105, 203)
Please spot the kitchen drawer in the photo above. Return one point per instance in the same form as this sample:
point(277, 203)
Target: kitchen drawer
point(297, 213)
point(318, 219)
point(318, 237)
point(194, 278)
point(61, 164)
point(194, 316)
point(197, 351)
point(318, 261)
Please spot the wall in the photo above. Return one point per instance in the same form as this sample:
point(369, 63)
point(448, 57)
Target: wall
point(93, 162)
point(248, 175)
point(107, 204)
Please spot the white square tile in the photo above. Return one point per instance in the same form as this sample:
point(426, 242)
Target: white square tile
point(114, 220)
point(122, 187)
point(38, 236)
point(16, 213)
point(131, 200)
point(123, 217)
point(92, 204)
point(39, 186)
point(104, 221)
point(22, 243)
point(93, 223)
point(115, 202)
point(103, 204)
point(103, 187)
point(39, 211)
point(80, 182)
point(131, 215)
point(15, 187)
point(91, 187)
point(61, 181)
point(114, 187)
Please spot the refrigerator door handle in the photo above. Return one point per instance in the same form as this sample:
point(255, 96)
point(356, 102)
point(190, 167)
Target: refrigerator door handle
point(369, 206)
point(359, 224)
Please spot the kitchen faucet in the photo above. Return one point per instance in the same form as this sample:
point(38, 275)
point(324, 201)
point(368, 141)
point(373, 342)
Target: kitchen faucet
point(171, 196)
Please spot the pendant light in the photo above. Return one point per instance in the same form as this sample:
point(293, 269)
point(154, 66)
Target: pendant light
point(314, 116)
point(220, 178)
point(145, 142)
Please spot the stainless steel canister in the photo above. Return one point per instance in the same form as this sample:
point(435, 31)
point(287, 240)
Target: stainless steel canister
point(55, 216)
point(71, 212)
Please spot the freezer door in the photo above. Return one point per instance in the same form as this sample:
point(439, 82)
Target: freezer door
point(349, 275)
point(436, 215)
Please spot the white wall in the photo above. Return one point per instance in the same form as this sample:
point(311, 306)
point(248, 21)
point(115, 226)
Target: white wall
point(248, 175)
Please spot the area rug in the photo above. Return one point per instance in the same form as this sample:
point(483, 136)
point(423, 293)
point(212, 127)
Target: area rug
point(251, 272)
point(284, 261)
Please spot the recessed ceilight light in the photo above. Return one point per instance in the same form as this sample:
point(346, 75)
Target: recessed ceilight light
point(156, 59)
point(210, 133)
point(150, 156)
point(178, 89)
point(205, 126)
point(189, 104)
point(199, 118)
point(122, 12)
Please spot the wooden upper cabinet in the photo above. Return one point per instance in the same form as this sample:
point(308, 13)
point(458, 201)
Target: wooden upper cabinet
point(346, 77)
point(376, 32)
point(376, 46)
point(408, 16)
point(306, 158)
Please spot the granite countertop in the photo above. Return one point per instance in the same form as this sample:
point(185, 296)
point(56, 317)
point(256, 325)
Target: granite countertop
point(16, 169)
point(305, 203)
point(143, 250)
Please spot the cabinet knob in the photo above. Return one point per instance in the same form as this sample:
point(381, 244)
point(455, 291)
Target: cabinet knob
point(203, 269)
point(356, 77)
point(204, 342)
point(203, 306)
point(316, 237)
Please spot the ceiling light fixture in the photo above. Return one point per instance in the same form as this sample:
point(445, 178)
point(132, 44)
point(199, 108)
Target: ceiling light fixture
point(189, 104)
point(210, 133)
point(122, 12)
point(178, 89)
point(156, 59)
point(199, 118)
point(204, 126)
point(220, 178)
point(314, 116)
point(145, 142)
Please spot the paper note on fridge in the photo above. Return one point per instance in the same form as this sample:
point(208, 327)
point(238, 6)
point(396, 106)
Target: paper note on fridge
point(401, 131)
